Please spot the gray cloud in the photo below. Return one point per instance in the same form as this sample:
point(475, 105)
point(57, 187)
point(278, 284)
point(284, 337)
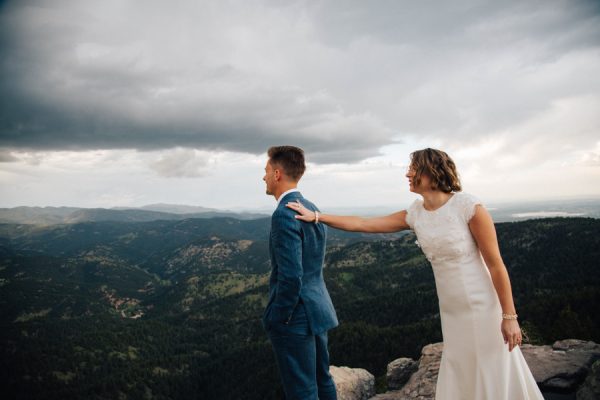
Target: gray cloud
point(563, 25)
point(68, 86)
point(341, 79)
point(181, 163)
point(5, 156)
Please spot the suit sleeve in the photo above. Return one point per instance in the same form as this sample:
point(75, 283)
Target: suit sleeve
point(287, 243)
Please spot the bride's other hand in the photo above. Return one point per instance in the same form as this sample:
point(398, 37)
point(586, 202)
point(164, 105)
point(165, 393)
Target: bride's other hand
point(511, 333)
point(304, 213)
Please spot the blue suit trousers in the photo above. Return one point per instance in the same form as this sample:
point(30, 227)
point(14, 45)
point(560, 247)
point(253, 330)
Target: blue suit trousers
point(303, 359)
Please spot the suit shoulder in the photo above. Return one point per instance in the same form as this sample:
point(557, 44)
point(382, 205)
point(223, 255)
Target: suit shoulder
point(284, 215)
point(309, 204)
point(283, 212)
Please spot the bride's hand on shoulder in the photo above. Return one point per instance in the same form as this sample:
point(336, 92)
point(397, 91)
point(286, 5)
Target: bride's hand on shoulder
point(511, 331)
point(304, 214)
point(387, 224)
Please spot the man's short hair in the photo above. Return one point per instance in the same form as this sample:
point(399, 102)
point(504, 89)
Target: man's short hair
point(288, 158)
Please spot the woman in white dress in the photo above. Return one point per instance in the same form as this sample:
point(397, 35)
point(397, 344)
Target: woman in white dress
point(481, 358)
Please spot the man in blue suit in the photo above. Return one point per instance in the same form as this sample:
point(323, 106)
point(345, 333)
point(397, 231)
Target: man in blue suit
point(299, 312)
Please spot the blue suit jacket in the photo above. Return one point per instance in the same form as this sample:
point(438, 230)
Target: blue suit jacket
point(297, 252)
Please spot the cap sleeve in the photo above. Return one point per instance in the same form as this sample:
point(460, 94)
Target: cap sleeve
point(411, 213)
point(467, 205)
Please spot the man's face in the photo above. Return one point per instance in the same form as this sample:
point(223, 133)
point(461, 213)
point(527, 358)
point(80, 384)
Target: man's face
point(269, 178)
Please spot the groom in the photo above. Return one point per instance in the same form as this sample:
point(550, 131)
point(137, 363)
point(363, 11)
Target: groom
point(300, 311)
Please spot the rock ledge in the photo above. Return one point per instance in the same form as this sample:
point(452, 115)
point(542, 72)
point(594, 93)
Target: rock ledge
point(568, 366)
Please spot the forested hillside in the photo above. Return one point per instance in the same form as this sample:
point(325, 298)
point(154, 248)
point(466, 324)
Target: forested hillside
point(171, 309)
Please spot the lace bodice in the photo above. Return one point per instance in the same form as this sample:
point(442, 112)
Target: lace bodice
point(444, 234)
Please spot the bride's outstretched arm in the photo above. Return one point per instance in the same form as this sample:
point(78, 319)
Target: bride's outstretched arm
point(484, 232)
point(390, 223)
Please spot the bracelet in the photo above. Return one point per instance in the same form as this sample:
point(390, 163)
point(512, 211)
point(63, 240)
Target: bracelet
point(510, 316)
point(316, 217)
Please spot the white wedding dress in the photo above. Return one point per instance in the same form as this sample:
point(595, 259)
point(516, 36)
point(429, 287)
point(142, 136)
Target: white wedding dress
point(476, 364)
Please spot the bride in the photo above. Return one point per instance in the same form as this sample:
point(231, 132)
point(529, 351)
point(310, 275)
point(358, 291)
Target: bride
point(481, 357)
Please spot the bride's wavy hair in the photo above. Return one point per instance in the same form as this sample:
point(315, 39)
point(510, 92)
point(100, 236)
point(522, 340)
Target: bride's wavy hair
point(438, 166)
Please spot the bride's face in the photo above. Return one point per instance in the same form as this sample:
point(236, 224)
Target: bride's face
point(424, 185)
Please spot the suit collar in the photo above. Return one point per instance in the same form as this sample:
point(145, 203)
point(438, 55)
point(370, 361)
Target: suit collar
point(292, 193)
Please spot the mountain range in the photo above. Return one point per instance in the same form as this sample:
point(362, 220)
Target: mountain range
point(502, 212)
point(170, 309)
point(153, 212)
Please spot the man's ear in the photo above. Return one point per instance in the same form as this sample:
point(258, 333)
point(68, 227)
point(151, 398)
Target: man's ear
point(278, 174)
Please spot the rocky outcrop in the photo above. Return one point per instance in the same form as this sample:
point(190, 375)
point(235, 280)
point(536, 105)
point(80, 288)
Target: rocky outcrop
point(590, 390)
point(562, 367)
point(568, 366)
point(421, 385)
point(353, 383)
point(399, 372)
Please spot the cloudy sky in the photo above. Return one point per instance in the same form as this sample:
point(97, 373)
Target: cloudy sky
point(125, 103)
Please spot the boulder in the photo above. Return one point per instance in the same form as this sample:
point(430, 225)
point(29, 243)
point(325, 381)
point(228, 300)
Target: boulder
point(590, 390)
point(399, 372)
point(562, 367)
point(421, 385)
point(353, 383)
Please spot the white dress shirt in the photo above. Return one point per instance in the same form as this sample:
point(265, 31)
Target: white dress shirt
point(284, 193)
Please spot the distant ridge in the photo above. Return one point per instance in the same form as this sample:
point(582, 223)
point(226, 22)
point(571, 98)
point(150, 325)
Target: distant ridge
point(172, 208)
point(152, 212)
point(36, 215)
point(501, 212)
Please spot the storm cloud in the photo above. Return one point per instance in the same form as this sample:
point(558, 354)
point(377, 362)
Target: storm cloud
point(341, 79)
